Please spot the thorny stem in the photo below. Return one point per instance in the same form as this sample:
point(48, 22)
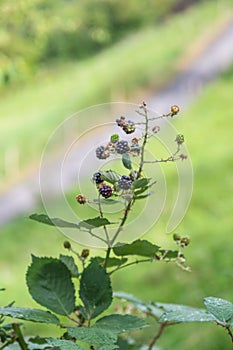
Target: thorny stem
point(102, 215)
point(19, 336)
point(171, 158)
point(228, 329)
point(123, 220)
point(158, 335)
point(144, 142)
point(75, 321)
point(131, 263)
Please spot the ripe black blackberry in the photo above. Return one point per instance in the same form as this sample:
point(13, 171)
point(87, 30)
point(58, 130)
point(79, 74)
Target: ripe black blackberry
point(105, 191)
point(97, 178)
point(122, 147)
point(125, 183)
point(101, 152)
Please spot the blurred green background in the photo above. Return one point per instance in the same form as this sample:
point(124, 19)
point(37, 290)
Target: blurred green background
point(56, 58)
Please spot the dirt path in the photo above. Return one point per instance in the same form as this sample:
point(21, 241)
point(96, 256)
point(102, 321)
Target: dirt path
point(212, 61)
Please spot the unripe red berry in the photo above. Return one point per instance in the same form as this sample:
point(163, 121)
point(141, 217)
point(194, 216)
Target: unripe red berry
point(81, 199)
point(174, 110)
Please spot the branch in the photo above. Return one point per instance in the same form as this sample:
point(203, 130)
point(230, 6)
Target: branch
point(158, 335)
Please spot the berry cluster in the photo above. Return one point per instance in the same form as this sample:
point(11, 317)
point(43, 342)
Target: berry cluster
point(105, 190)
point(125, 182)
point(127, 126)
point(116, 146)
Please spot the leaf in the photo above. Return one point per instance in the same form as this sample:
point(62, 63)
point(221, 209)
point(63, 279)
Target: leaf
point(222, 309)
point(70, 264)
point(168, 254)
point(49, 283)
point(63, 344)
point(108, 347)
point(138, 247)
point(45, 219)
point(182, 313)
point(140, 305)
point(111, 261)
point(120, 323)
point(110, 176)
point(93, 335)
point(126, 160)
point(94, 222)
point(95, 290)
point(106, 201)
point(140, 183)
point(143, 196)
point(34, 315)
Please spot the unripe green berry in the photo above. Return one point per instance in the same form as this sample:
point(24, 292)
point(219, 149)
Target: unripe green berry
point(67, 245)
point(114, 138)
point(179, 139)
point(176, 237)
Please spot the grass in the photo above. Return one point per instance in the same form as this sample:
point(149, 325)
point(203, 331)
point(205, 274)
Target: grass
point(30, 113)
point(207, 127)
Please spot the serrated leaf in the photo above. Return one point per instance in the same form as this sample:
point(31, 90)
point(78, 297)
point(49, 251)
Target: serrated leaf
point(63, 344)
point(70, 264)
point(94, 222)
point(126, 160)
point(111, 261)
point(108, 347)
point(140, 183)
point(183, 313)
point(49, 283)
point(34, 315)
point(120, 323)
point(93, 335)
point(110, 176)
point(138, 247)
point(139, 304)
point(45, 219)
point(222, 309)
point(169, 254)
point(95, 290)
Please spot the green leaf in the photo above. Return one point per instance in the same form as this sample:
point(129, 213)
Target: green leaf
point(95, 290)
point(94, 222)
point(143, 196)
point(140, 305)
point(70, 264)
point(34, 315)
point(222, 309)
point(138, 247)
point(49, 282)
point(107, 201)
point(108, 347)
point(168, 254)
point(111, 261)
point(93, 335)
point(63, 344)
point(45, 219)
point(126, 160)
point(120, 323)
point(110, 176)
point(183, 313)
point(140, 183)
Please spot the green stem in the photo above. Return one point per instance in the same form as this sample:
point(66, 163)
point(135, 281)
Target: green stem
point(102, 215)
point(130, 264)
point(143, 144)
point(126, 213)
point(20, 338)
point(107, 256)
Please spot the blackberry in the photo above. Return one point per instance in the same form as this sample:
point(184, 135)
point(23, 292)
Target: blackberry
point(120, 122)
point(101, 152)
point(125, 182)
point(135, 148)
point(133, 175)
point(122, 147)
point(97, 178)
point(129, 127)
point(105, 191)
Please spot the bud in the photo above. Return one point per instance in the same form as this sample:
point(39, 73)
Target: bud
point(185, 241)
point(183, 156)
point(156, 129)
point(67, 245)
point(85, 253)
point(179, 139)
point(114, 138)
point(81, 199)
point(176, 237)
point(174, 110)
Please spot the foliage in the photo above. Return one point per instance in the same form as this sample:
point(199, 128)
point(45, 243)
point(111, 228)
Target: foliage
point(39, 31)
point(51, 282)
